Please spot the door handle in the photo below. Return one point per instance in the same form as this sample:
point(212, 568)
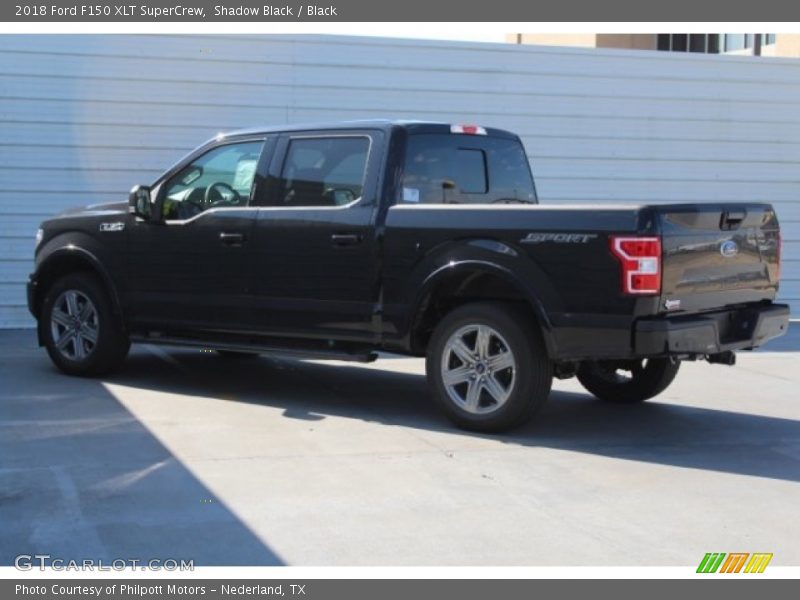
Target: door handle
point(346, 239)
point(231, 239)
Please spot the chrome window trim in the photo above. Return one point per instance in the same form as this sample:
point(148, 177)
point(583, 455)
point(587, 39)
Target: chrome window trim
point(290, 137)
point(210, 211)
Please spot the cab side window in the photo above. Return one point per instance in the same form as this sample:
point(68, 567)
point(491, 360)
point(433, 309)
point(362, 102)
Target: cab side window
point(221, 177)
point(454, 169)
point(323, 171)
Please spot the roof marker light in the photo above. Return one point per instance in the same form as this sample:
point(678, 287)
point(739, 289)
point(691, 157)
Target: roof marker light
point(467, 129)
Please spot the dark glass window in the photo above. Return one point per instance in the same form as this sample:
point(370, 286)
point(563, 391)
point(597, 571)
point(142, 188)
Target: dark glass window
point(323, 171)
point(442, 169)
point(471, 168)
point(697, 42)
point(679, 42)
point(711, 43)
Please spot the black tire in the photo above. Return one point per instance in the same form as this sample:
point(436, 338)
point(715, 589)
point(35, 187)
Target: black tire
point(648, 378)
point(525, 386)
point(236, 354)
point(111, 343)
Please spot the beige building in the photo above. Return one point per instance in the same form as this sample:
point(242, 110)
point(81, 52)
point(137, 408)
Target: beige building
point(758, 44)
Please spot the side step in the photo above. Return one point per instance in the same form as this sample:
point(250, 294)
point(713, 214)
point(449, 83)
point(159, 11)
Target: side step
point(272, 350)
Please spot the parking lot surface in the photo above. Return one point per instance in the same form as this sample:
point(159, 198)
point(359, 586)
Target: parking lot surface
point(186, 455)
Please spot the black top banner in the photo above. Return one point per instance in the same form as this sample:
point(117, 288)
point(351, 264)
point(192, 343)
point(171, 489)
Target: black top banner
point(407, 10)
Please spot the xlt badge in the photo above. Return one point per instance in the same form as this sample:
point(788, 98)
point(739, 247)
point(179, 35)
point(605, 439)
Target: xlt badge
point(115, 226)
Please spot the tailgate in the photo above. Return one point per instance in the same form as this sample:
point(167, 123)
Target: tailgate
point(715, 255)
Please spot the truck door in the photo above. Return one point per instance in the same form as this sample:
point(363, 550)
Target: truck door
point(191, 269)
point(315, 247)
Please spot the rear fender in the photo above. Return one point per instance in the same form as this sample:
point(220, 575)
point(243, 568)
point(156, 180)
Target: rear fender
point(493, 258)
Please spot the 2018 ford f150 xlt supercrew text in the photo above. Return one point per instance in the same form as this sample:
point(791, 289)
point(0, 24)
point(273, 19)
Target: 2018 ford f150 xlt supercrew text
point(418, 238)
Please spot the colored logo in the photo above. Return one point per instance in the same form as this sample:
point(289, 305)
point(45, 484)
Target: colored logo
point(729, 249)
point(735, 562)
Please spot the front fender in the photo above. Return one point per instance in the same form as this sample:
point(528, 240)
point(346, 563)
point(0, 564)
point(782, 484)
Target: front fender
point(63, 254)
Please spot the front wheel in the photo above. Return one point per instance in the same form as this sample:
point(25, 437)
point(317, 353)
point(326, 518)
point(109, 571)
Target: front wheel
point(82, 334)
point(628, 381)
point(488, 367)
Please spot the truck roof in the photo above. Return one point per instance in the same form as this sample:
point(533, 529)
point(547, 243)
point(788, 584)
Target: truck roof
point(383, 124)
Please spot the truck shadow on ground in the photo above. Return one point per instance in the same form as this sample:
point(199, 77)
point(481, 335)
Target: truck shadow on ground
point(656, 432)
point(83, 478)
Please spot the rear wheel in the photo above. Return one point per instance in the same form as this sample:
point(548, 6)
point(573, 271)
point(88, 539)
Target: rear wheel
point(82, 334)
point(488, 367)
point(629, 381)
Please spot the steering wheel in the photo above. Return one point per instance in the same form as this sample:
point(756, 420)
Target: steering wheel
point(233, 201)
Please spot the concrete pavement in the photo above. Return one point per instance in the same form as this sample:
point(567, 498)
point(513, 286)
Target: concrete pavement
point(183, 454)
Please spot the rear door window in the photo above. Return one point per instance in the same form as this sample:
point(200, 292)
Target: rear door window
point(323, 171)
point(455, 169)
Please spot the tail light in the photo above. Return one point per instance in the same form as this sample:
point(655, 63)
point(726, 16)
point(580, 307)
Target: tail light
point(780, 243)
point(640, 258)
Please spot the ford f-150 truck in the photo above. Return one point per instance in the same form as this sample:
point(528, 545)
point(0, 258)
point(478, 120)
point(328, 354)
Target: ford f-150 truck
point(424, 239)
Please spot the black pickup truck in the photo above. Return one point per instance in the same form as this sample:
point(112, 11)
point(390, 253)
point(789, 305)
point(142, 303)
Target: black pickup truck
point(423, 239)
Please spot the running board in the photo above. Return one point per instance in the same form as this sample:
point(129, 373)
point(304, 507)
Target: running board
point(277, 351)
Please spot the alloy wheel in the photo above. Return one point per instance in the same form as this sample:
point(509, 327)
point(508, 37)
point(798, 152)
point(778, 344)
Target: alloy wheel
point(478, 369)
point(74, 325)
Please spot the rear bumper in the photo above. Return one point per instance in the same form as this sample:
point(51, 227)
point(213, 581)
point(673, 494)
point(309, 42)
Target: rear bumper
point(711, 333)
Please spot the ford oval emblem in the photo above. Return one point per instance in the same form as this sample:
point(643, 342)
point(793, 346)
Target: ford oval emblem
point(729, 249)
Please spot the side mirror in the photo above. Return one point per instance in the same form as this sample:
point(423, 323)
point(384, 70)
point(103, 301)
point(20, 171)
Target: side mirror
point(139, 202)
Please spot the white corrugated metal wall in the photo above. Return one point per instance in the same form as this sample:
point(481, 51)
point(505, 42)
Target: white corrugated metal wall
point(86, 117)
